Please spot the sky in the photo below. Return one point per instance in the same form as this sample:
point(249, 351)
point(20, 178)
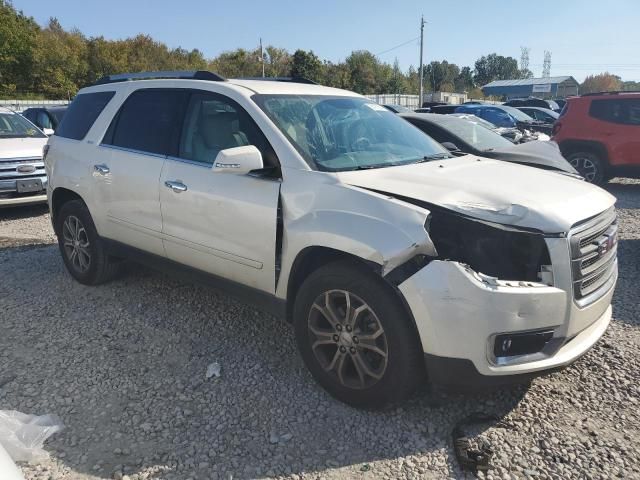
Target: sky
point(584, 36)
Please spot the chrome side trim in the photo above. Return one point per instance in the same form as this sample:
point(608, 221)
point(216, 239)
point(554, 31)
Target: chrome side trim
point(131, 150)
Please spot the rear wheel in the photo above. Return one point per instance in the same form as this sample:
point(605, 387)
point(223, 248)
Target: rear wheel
point(81, 247)
point(590, 166)
point(356, 338)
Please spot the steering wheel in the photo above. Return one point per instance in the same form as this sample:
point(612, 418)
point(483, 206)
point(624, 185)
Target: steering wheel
point(361, 143)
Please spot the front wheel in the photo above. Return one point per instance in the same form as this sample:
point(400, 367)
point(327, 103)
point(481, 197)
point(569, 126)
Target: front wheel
point(356, 338)
point(589, 165)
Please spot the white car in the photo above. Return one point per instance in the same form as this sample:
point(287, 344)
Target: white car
point(22, 175)
point(393, 260)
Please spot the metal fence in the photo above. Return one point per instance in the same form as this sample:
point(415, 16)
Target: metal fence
point(20, 105)
point(410, 101)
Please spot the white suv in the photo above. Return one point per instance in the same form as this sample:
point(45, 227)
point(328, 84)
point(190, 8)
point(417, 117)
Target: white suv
point(391, 258)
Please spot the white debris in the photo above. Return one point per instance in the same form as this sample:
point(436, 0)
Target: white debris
point(8, 469)
point(213, 370)
point(23, 436)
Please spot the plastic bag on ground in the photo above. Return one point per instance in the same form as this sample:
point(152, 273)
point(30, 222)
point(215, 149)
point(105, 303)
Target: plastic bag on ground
point(23, 436)
point(8, 469)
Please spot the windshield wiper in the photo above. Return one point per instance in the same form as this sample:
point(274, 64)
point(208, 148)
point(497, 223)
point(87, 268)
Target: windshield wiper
point(434, 156)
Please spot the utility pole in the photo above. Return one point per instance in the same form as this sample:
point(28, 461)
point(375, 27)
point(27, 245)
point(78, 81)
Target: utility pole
point(421, 48)
point(262, 57)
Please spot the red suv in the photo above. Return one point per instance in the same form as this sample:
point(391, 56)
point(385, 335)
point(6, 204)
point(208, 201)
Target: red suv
point(599, 134)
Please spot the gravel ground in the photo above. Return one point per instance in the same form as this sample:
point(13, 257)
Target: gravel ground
point(124, 366)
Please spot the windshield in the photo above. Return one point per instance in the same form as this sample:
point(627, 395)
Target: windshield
point(472, 118)
point(348, 133)
point(13, 125)
point(517, 114)
point(476, 135)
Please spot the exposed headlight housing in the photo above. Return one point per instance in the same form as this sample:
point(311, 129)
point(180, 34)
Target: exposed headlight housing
point(495, 250)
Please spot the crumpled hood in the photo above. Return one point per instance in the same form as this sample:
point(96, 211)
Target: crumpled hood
point(546, 154)
point(21, 147)
point(491, 190)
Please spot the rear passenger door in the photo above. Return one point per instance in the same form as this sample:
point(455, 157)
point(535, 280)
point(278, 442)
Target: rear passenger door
point(620, 129)
point(221, 223)
point(134, 149)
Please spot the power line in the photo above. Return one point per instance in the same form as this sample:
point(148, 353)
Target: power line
point(397, 46)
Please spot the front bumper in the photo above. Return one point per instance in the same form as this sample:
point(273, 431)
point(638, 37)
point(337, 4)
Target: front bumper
point(458, 315)
point(10, 197)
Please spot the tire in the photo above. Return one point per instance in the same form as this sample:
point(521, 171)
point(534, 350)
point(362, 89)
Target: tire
point(590, 166)
point(384, 369)
point(90, 264)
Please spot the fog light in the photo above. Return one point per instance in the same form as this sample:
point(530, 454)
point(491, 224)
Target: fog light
point(513, 344)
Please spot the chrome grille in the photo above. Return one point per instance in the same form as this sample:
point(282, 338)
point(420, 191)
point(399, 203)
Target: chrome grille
point(594, 246)
point(9, 168)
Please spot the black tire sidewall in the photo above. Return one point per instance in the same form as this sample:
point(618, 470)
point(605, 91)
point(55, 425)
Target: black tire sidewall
point(405, 360)
point(78, 209)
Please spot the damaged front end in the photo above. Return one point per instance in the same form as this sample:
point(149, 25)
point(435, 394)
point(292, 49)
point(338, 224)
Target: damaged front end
point(493, 252)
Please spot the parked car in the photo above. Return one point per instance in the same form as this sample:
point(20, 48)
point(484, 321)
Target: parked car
point(444, 109)
point(394, 260)
point(561, 103)
point(397, 108)
point(46, 118)
point(422, 110)
point(22, 176)
point(460, 135)
point(533, 102)
point(541, 114)
point(512, 134)
point(505, 116)
point(600, 135)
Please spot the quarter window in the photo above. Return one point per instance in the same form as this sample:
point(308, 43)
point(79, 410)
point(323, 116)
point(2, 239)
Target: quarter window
point(82, 113)
point(148, 121)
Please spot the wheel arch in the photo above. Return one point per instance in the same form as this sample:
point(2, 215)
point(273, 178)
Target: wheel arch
point(59, 197)
point(567, 147)
point(311, 258)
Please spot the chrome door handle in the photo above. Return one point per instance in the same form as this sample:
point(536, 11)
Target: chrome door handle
point(102, 169)
point(176, 186)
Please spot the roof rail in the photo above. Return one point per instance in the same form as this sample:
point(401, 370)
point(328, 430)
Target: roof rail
point(615, 92)
point(280, 79)
point(178, 74)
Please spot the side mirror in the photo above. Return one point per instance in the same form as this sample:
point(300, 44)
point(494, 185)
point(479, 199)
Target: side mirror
point(48, 131)
point(238, 160)
point(452, 147)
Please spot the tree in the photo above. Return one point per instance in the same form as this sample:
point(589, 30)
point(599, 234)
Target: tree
point(363, 69)
point(336, 75)
point(306, 65)
point(18, 37)
point(464, 81)
point(495, 67)
point(603, 82)
point(278, 62)
point(441, 76)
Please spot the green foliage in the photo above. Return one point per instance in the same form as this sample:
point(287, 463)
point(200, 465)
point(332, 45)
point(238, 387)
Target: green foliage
point(603, 82)
point(18, 37)
point(495, 67)
point(306, 65)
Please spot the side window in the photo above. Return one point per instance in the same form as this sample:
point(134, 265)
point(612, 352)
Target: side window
point(623, 111)
point(497, 117)
point(214, 122)
point(43, 120)
point(81, 114)
point(634, 112)
point(148, 121)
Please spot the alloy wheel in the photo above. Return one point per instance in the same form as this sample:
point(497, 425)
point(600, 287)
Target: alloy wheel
point(76, 244)
point(347, 339)
point(586, 167)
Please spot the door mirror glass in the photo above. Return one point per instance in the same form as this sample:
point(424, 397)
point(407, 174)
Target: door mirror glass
point(238, 160)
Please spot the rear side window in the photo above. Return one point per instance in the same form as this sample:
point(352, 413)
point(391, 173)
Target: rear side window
point(623, 111)
point(81, 114)
point(148, 121)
